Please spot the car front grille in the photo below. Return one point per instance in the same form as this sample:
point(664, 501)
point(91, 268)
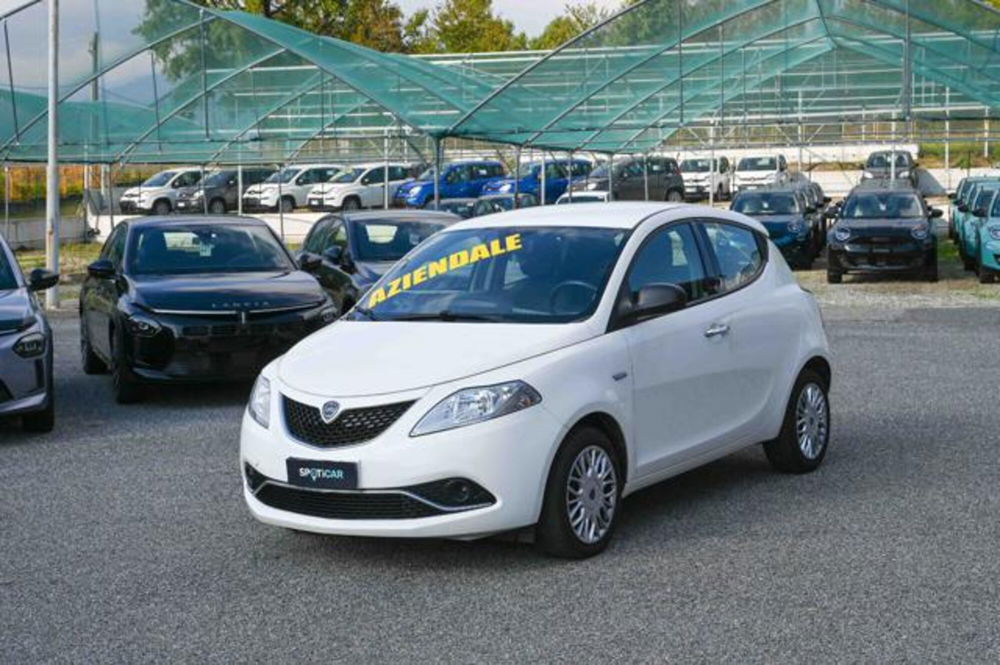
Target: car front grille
point(352, 426)
point(345, 505)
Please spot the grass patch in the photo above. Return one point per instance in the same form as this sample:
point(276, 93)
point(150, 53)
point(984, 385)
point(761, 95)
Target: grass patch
point(73, 259)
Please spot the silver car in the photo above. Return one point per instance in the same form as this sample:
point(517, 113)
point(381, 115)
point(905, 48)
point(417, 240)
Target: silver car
point(25, 345)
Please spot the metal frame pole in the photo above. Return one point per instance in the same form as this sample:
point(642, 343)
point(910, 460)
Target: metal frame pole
point(947, 139)
point(52, 168)
point(6, 200)
point(517, 177)
point(201, 185)
point(541, 179)
point(611, 177)
point(281, 202)
point(385, 180)
point(239, 188)
point(437, 172)
point(645, 176)
point(109, 178)
point(569, 178)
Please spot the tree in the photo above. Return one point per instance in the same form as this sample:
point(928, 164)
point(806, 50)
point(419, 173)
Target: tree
point(571, 23)
point(464, 26)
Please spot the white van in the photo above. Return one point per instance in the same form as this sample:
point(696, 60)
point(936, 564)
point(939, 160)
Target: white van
point(158, 194)
point(292, 184)
point(760, 171)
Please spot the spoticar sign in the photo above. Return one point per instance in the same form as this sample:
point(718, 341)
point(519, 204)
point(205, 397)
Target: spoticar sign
point(444, 265)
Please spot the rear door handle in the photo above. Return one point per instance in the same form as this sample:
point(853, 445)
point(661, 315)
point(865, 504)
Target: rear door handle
point(717, 330)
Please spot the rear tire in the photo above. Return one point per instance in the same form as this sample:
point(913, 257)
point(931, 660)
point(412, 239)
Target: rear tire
point(287, 204)
point(217, 207)
point(673, 196)
point(805, 432)
point(986, 274)
point(92, 364)
point(582, 496)
point(162, 207)
point(351, 203)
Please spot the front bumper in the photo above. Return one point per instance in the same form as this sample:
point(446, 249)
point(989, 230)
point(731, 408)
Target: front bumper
point(207, 348)
point(860, 256)
point(24, 382)
point(259, 203)
point(508, 458)
point(190, 205)
point(132, 207)
point(990, 252)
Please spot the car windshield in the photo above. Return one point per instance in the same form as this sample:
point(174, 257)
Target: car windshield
point(984, 197)
point(350, 175)
point(7, 279)
point(995, 212)
point(885, 205)
point(389, 240)
point(178, 249)
point(508, 275)
point(757, 164)
point(283, 176)
point(493, 204)
point(881, 160)
point(159, 180)
point(219, 179)
point(766, 203)
point(428, 174)
point(696, 166)
point(460, 208)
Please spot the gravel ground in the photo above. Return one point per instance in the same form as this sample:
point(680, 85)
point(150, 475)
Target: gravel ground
point(124, 538)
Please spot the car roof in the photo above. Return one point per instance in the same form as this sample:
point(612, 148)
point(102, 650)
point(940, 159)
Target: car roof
point(372, 165)
point(312, 166)
point(456, 162)
point(884, 185)
point(618, 215)
point(398, 215)
point(193, 220)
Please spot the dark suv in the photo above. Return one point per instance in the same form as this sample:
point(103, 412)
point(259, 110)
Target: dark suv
point(629, 175)
point(220, 189)
point(25, 346)
point(880, 167)
point(882, 227)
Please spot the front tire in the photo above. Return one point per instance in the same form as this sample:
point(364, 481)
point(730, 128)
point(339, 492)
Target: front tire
point(125, 388)
point(805, 433)
point(217, 207)
point(351, 203)
point(287, 204)
point(41, 421)
point(582, 496)
point(931, 271)
point(162, 207)
point(673, 196)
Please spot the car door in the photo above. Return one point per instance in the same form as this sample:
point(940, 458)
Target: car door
point(679, 361)
point(101, 295)
point(326, 234)
point(762, 327)
point(372, 187)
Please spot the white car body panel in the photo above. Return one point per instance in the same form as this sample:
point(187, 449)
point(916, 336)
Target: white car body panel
point(267, 192)
point(144, 198)
point(746, 179)
point(333, 195)
point(679, 398)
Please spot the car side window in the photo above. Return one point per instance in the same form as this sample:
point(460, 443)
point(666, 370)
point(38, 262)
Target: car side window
point(317, 239)
point(670, 256)
point(397, 173)
point(114, 248)
point(338, 237)
point(738, 252)
point(374, 177)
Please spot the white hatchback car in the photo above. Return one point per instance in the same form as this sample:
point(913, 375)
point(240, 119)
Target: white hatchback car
point(533, 368)
point(359, 186)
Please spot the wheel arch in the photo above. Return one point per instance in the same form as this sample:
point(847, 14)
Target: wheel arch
point(612, 429)
point(821, 366)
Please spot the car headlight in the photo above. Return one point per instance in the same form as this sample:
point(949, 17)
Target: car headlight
point(30, 346)
point(796, 227)
point(920, 232)
point(475, 405)
point(328, 314)
point(260, 402)
point(903, 174)
point(142, 326)
point(197, 194)
point(994, 232)
point(842, 234)
point(592, 186)
point(867, 176)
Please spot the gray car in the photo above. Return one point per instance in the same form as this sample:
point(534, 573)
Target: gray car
point(664, 180)
point(25, 345)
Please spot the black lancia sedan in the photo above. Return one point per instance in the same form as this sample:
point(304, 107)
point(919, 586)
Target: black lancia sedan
point(193, 299)
point(883, 227)
point(349, 252)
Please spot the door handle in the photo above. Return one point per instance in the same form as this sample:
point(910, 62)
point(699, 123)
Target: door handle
point(717, 330)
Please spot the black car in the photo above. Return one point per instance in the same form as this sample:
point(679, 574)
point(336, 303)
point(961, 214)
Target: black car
point(879, 166)
point(883, 226)
point(25, 345)
point(193, 299)
point(348, 252)
point(791, 220)
point(221, 190)
point(630, 177)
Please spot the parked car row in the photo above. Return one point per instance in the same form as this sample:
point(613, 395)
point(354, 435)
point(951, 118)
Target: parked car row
point(975, 225)
point(794, 214)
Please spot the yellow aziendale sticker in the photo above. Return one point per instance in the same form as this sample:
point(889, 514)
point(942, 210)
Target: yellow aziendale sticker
point(444, 265)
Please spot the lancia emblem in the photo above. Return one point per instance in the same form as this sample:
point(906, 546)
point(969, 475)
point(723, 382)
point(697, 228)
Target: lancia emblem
point(329, 412)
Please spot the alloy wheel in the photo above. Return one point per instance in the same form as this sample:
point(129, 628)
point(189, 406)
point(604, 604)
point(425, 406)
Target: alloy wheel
point(811, 421)
point(591, 494)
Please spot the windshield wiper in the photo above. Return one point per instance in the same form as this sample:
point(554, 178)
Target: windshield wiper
point(445, 315)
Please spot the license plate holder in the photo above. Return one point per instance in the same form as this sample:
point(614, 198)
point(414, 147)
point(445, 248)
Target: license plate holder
point(321, 474)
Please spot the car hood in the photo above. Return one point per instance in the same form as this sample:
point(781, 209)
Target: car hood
point(777, 222)
point(755, 175)
point(394, 356)
point(226, 291)
point(414, 186)
point(14, 309)
point(335, 188)
point(260, 188)
point(188, 192)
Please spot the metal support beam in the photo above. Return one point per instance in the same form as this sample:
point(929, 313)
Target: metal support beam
point(611, 177)
point(239, 189)
point(437, 171)
point(517, 178)
point(52, 167)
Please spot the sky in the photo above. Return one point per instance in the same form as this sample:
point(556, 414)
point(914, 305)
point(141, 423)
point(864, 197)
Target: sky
point(531, 16)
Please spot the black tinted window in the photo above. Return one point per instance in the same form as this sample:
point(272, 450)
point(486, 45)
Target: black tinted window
point(7, 280)
point(669, 256)
point(178, 249)
point(737, 251)
point(319, 237)
point(388, 240)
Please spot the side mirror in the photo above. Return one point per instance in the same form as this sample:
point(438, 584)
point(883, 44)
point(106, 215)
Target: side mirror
point(810, 210)
point(937, 212)
point(655, 300)
point(334, 255)
point(963, 208)
point(826, 200)
point(831, 214)
point(952, 196)
point(978, 212)
point(309, 261)
point(101, 269)
point(41, 279)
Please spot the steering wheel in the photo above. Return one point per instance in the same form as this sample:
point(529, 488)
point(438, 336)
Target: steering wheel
point(570, 283)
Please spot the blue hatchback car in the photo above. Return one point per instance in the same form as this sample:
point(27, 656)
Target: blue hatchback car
point(981, 248)
point(973, 212)
point(558, 174)
point(459, 180)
